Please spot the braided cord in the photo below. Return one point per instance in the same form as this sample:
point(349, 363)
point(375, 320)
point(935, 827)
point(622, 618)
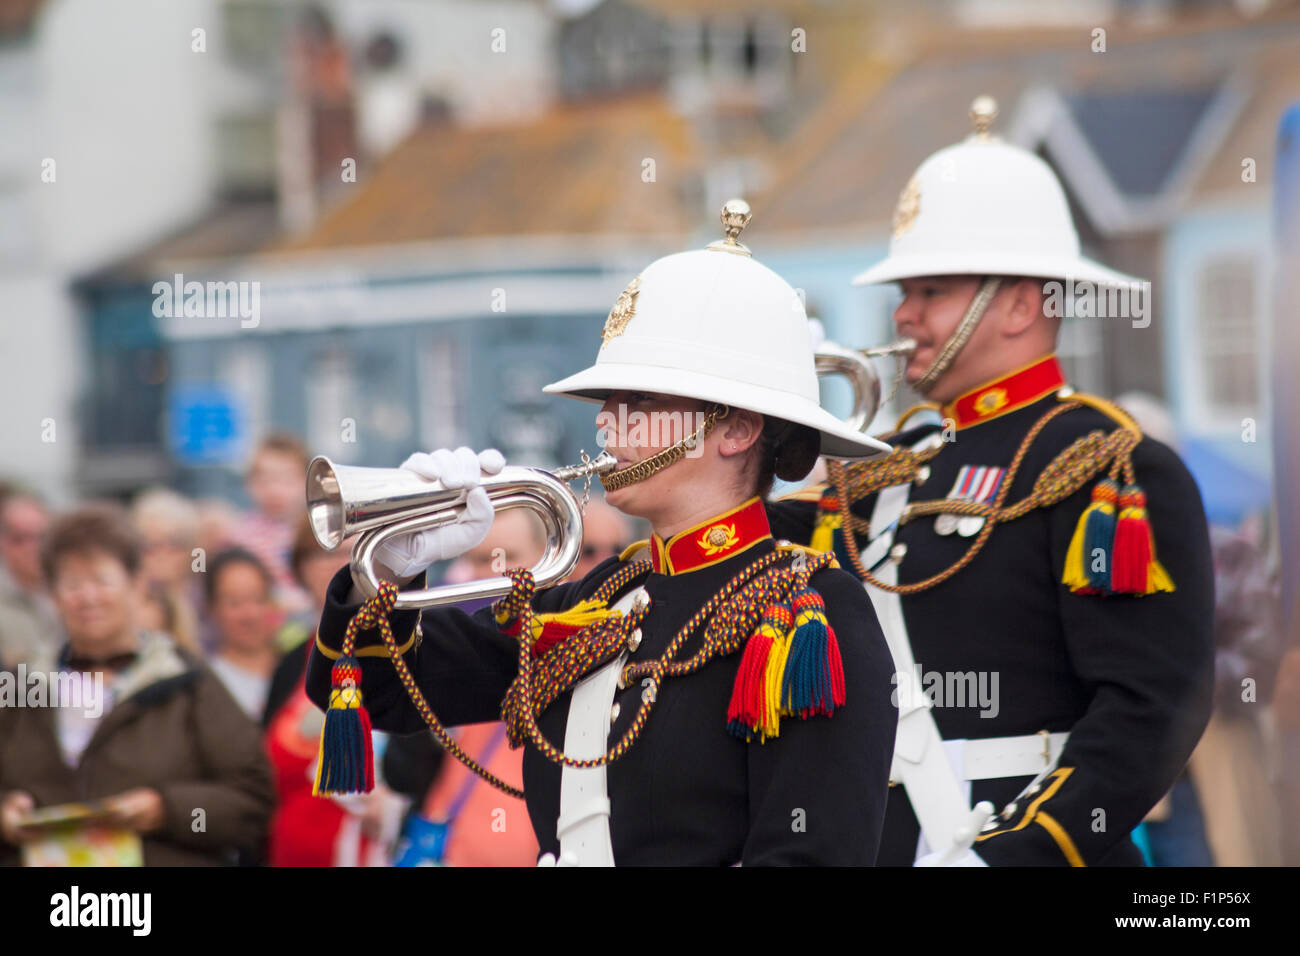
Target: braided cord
point(374, 613)
point(1065, 475)
point(732, 613)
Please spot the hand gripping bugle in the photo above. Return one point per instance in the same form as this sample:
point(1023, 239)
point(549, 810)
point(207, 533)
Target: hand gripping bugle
point(382, 502)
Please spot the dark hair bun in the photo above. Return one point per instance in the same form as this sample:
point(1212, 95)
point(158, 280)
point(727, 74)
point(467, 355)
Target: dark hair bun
point(797, 453)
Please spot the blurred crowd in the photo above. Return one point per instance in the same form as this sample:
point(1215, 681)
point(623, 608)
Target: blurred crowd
point(198, 618)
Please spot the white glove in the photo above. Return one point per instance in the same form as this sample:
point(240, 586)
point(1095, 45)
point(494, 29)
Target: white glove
point(409, 554)
point(968, 858)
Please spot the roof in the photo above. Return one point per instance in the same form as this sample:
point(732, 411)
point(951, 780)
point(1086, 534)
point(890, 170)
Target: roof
point(1139, 134)
point(228, 231)
point(1150, 106)
point(575, 170)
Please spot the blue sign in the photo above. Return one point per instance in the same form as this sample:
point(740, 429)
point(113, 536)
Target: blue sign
point(205, 425)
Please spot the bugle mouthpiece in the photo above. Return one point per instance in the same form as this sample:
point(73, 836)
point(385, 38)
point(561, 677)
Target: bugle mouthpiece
point(901, 347)
point(602, 464)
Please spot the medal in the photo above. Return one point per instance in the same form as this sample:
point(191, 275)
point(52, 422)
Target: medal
point(945, 524)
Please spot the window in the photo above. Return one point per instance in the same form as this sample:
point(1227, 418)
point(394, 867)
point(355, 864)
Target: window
point(246, 160)
point(331, 399)
point(442, 413)
point(1226, 328)
point(242, 369)
point(253, 33)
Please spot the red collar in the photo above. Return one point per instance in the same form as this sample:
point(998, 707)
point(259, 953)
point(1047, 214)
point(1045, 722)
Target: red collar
point(721, 537)
point(1012, 391)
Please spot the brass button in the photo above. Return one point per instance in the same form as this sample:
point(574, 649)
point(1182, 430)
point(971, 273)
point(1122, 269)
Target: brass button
point(613, 712)
point(898, 551)
point(634, 640)
point(922, 474)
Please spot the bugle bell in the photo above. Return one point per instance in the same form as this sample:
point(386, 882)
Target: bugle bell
point(855, 366)
point(380, 503)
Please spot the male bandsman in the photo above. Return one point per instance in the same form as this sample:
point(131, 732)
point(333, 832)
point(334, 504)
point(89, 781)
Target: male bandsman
point(1040, 569)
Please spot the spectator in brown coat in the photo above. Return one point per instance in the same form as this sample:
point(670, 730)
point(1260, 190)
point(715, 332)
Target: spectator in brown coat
point(165, 747)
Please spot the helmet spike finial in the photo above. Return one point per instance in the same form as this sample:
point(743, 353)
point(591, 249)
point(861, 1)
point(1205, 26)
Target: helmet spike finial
point(735, 217)
point(983, 111)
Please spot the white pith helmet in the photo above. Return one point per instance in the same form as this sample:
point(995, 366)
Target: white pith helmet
point(985, 207)
point(715, 325)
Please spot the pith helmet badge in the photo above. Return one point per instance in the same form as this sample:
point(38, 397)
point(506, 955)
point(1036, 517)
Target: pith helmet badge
point(622, 312)
point(909, 204)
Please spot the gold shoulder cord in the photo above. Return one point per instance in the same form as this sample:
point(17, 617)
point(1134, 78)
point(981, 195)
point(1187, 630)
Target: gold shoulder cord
point(1064, 475)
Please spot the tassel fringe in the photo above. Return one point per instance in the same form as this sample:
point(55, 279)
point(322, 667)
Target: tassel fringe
point(1112, 550)
point(345, 762)
point(828, 521)
point(791, 667)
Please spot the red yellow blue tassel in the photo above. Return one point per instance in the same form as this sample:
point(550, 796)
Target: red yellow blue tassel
point(1088, 558)
point(774, 676)
point(345, 762)
point(828, 520)
point(748, 713)
point(791, 667)
point(813, 681)
point(1135, 569)
point(1112, 550)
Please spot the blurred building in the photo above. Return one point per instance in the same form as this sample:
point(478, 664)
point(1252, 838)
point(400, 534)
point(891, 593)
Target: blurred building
point(437, 202)
point(1165, 145)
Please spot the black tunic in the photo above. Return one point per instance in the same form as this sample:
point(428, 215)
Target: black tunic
point(687, 792)
point(1128, 676)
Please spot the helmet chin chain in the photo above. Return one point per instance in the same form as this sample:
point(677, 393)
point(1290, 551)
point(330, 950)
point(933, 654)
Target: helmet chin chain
point(661, 460)
point(974, 312)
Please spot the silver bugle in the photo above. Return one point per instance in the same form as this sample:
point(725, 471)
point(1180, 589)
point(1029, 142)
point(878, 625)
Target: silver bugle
point(855, 365)
point(380, 503)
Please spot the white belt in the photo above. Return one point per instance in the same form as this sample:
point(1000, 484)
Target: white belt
point(583, 824)
point(991, 758)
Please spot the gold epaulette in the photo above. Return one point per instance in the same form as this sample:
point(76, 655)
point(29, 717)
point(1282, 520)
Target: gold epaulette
point(632, 549)
point(918, 407)
point(789, 547)
point(1105, 406)
point(811, 493)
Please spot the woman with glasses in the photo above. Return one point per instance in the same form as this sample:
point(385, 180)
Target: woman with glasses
point(713, 697)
